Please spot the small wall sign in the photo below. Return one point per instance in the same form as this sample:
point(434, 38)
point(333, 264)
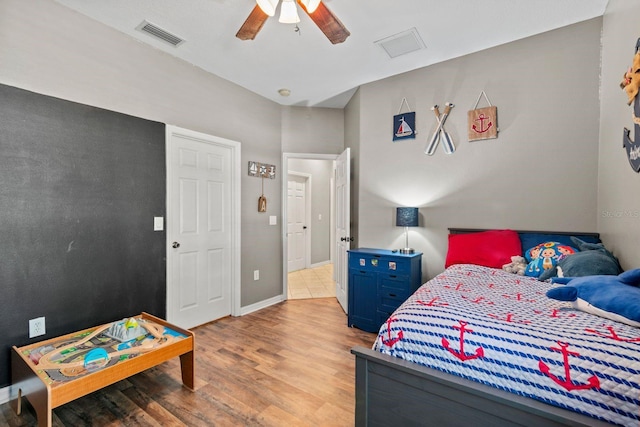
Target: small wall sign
point(482, 122)
point(262, 170)
point(404, 124)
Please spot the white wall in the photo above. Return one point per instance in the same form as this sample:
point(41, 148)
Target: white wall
point(618, 185)
point(540, 174)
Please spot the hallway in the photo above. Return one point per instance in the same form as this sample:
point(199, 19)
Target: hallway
point(312, 283)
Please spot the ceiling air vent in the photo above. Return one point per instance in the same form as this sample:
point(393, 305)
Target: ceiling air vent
point(402, 43)
point(159, 33)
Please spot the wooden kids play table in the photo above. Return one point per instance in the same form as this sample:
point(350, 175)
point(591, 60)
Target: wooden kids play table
point(56, 371)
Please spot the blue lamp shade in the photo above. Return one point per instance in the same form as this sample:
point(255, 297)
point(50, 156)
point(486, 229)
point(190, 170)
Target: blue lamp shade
point(407, 217)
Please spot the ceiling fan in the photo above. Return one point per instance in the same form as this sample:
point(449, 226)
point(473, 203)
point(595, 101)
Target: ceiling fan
point(328, 23)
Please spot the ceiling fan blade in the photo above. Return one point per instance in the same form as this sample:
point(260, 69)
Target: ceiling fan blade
point(252, 25)
point(328, 23)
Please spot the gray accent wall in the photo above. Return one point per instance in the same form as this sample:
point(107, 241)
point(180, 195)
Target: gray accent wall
point(618, 212)
point(541, 173)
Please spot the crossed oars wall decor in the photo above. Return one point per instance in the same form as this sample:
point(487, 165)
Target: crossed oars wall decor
point(440, 133)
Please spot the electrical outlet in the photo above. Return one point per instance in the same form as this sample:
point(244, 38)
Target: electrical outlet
point(256, 274)
point(36, 327)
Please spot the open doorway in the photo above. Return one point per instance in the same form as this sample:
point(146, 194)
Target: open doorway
point(308, 226)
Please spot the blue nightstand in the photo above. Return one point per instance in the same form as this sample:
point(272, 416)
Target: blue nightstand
point(379, 281)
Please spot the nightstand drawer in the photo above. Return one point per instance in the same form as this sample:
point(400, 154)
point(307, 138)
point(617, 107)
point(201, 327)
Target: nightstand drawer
point(390, 298)
point(379, 263)
point(395, 282)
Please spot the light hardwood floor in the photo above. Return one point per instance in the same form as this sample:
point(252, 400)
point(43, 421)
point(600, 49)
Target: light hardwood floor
point(285, 365)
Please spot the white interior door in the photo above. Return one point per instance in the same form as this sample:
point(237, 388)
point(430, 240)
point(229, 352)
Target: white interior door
point(342, 227)
point(296, 221)
point(201, 197)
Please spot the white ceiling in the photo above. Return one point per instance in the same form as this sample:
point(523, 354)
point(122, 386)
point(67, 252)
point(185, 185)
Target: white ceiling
point(316, 72)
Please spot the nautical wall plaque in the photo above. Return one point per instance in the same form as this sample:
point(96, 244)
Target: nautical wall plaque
point(631, 84)
point(482, 122)
point(262, 170)
point(404, 124)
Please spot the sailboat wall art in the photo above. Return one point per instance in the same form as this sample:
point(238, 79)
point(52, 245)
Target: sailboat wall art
point(404, 125)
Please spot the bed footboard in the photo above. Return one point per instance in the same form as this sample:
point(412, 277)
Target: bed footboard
point(392, 391)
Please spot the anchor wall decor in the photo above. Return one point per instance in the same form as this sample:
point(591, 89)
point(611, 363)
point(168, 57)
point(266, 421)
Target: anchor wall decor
point(482, 122)
point(631, 84)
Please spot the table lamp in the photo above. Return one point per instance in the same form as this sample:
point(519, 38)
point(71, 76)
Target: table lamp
point(406, 217)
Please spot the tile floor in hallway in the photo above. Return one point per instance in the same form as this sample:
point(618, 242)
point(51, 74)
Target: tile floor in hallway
point(312, 283)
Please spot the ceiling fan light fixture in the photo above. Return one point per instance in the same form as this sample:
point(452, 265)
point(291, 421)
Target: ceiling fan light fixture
point(289, 12)
point(268, 6)
point(311, 5)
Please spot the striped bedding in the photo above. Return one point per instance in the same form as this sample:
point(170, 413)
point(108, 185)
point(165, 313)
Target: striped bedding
point(500, 329)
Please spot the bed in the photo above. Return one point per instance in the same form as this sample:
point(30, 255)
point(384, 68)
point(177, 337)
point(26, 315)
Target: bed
point(479, 346)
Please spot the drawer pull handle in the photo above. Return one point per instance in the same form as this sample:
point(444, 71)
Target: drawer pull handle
point(392, 295)
point(393, 276)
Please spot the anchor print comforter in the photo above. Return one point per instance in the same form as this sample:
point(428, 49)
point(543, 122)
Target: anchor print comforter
point(500, 329)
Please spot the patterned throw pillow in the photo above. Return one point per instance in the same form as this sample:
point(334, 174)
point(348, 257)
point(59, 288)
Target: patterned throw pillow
point(545, 256)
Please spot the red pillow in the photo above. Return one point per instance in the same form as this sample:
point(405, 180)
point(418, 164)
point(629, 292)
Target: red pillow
point(493, 248)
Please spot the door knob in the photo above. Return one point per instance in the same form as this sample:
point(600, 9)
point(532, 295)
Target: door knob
point(175, 245)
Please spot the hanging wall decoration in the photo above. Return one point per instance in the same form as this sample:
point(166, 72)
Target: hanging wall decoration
point(262, 201)
point(440, 133)
point(404, 124)
point(631, 84)
point(482, 122)
point(262, 170)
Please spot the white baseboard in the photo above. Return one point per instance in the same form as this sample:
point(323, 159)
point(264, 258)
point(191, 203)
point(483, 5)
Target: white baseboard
point(320, 264)
point(262, 304)
point(4, 395)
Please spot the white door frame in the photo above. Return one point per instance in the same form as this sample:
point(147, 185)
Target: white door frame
point(235, 210)
point(285, 245)
point(307, 215)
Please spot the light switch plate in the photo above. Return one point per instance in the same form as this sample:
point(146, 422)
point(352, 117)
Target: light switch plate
point(158, 223)
point(273, 220)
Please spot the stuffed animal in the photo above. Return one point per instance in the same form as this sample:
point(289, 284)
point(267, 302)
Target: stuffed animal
point(592, 259)
point(517, 265)
point(612, 297)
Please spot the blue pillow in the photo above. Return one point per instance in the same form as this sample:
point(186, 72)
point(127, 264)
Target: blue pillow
point(612, 297)
point(531, 239)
